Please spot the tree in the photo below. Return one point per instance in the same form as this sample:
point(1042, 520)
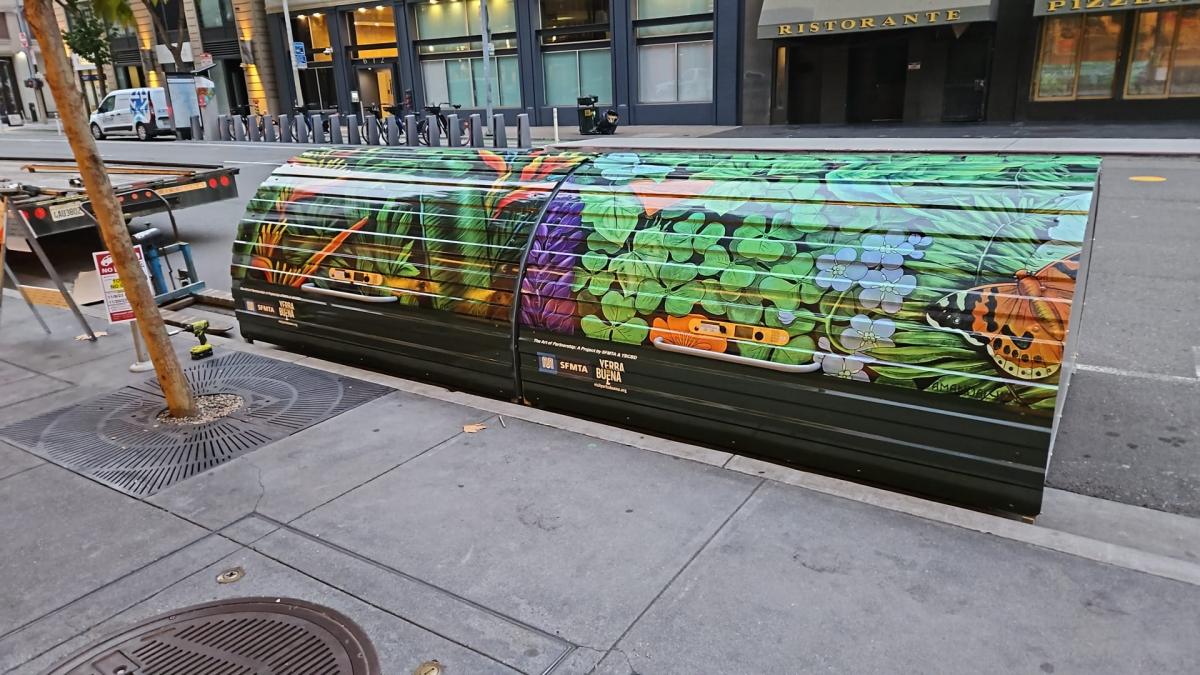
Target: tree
point(73, 113)
point(90, 36)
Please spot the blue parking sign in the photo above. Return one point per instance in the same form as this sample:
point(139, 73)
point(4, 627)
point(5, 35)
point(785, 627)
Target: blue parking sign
point(301, 53)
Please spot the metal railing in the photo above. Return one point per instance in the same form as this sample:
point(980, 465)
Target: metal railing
point(335, 129)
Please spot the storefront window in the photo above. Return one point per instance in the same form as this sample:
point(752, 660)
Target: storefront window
point(317, 86)
point(665, 9)
point(460, 81)
point(1078, 57)
point(445, 28)
point(571, 74)
point(674, 50)
point(313, 31)
point(1185, 69)
point(373, 32)
point(576, 50)
point(215, 13)
point(130, 77)
point(1166, 54)
point(675, 72)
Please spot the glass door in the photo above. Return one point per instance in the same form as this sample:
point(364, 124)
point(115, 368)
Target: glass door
point(377, 90)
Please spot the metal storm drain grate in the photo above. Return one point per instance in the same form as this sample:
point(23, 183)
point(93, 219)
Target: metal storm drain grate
point(116, 438)
point(259, 636)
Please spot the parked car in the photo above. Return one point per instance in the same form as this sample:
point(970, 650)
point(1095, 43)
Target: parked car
point(144, 113)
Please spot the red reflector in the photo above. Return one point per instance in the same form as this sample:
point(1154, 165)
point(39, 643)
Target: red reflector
point(224, 181)
point(121, 198)
point(135, 196)
point(39, 213)
point(212, 183)
point(149, 195)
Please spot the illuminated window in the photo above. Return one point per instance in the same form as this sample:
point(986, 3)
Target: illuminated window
point(1165, 61)
point(1078, 57)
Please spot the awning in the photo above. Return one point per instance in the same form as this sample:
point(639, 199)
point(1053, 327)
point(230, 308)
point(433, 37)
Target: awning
point(1056, 7)
point(301, 6)
point(799, 18)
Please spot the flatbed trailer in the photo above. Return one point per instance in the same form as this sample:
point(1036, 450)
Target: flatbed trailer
point(53, 202)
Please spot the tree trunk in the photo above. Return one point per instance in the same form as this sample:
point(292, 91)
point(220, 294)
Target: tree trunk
point(40, 14)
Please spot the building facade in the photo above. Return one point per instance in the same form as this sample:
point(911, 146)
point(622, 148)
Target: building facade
point(18, 64)
point(653, 61)
point(932, 61)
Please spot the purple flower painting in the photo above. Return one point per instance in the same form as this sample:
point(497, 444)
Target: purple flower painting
point(546, 298)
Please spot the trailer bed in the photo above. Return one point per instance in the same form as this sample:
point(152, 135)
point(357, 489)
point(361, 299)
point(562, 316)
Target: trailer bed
point(52, 205)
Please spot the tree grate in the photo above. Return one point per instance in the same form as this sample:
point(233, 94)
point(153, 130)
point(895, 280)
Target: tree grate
point(259, 636)
point(116, 438)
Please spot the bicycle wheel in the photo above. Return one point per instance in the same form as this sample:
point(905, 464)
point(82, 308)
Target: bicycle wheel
point(423, 132)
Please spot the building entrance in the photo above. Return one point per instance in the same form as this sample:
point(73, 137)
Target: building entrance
point(376, 88)
point(877, 78)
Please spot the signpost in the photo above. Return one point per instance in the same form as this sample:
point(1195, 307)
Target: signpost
point(116, 303)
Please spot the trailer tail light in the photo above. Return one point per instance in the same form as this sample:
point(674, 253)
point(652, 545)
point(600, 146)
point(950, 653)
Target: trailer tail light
point(212, 183)
point(224, 181)
point(39, 213)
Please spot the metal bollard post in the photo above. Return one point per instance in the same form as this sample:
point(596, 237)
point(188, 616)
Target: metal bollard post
point(318, 127)
point(499, 132)
point(372, 130)
point(393, 131)
point(354, 137)
point(197, 131)
point(454, 133)
point(269, 129)
point(476, 129)
point(524, 135)
point(285, 128)
point(222, 127)
point(435, 132)
point(239, 128)
point(252, 134)
point(410, 131)
point(335, 129)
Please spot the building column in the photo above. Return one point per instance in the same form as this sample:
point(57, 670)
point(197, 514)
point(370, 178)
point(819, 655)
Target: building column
point(261, 87)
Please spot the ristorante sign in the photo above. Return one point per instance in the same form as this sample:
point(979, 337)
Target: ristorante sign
point(792, 18)
point(1051, 7)
point(877, 22)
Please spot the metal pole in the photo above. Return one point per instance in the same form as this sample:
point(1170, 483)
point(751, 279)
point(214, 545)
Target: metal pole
point(141, 363)
point(30, 60)
point(487, 59)
point(556, 125)
point(287, 25)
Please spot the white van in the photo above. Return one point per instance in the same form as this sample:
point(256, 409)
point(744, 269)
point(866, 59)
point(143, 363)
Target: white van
point(143, 112)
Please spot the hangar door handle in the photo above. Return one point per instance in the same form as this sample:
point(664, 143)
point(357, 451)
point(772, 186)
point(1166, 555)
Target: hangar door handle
point(317, 290)
point(659, 343)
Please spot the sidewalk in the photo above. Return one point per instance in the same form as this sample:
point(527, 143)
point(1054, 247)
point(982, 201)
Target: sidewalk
point(543, 543)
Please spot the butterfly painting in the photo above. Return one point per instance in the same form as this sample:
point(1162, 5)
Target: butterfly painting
point(1022, 324)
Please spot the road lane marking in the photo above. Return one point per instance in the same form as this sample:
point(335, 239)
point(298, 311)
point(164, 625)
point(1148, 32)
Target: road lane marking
point(1156, 377)
point(1148, 179)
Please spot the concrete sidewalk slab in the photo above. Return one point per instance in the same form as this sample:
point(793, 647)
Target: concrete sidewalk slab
point(14, 460)
point(73, 620)
point(65, 536)
point(506, 640)
point(400, 644)
point(286, 479)
point(569, 534)
point(844, 589)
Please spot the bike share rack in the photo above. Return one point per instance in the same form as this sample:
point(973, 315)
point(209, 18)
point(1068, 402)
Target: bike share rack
point(337, 129)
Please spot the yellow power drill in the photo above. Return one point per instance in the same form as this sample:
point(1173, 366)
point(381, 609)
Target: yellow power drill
point(202, 350)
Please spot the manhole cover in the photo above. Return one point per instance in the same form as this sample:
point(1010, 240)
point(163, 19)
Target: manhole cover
point(251, 636)
point(116, 438)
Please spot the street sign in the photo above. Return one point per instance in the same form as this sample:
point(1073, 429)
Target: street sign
point(205, 62)
point(24, 40)
point(116, 303)
point(301, 53)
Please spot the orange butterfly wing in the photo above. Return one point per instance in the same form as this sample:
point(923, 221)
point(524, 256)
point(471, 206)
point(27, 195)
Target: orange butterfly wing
point(1022, 324)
